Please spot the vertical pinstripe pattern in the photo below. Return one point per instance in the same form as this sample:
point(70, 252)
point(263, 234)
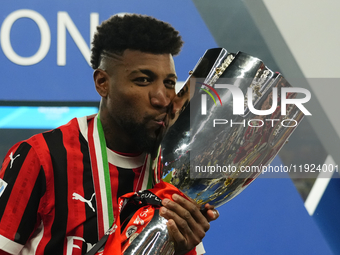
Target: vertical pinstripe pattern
point(30, 219)
point(10, 174)
point(22, 195)
point(54, 141)
point(22, 189)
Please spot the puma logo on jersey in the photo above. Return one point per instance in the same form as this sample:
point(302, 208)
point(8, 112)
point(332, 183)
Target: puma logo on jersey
point(12, 159)
point(76, 196)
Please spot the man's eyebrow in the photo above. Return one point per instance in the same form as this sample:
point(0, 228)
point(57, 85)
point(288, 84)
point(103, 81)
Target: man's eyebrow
point(151, 73)
point(172, 75)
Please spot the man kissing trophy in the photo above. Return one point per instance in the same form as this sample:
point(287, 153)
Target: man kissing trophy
point(236, 114)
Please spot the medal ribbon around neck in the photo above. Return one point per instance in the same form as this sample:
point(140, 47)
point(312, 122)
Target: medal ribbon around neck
point(101, 175)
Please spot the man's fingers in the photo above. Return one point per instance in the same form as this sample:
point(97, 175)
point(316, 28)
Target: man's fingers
point(180, 222)
point(186, 224)
point(193, 210)
point(180, 216)
point(180, 230)
point(175, 234)
point(186, 215)
point(212, 215)
point(182, 239)
point(210, 212)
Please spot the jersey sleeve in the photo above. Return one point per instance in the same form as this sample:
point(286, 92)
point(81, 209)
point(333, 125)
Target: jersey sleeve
point(22, 185)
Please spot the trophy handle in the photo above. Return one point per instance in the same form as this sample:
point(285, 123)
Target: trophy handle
point(154, 239)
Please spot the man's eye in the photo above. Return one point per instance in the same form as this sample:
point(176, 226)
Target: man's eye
point(142, 81)
point(183, 91)
point(180, 93)
point(170, 84)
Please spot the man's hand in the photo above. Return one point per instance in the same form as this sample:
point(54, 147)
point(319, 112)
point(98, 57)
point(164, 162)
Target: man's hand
point(186, 223)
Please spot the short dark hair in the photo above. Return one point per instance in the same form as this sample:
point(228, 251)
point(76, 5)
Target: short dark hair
point(135, 32)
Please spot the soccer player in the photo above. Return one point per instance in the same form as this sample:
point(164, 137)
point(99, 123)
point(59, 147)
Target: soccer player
point(59, 189)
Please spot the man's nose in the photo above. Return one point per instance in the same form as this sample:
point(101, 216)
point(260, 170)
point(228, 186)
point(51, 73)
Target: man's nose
point(161, 97)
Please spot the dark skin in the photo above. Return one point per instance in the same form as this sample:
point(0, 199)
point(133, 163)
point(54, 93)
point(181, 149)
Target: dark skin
point(187, 225)
point(138, 90)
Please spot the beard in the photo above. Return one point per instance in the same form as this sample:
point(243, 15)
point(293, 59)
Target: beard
point(145, 140)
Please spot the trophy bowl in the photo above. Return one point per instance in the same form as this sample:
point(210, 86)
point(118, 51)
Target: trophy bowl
point(215, 150)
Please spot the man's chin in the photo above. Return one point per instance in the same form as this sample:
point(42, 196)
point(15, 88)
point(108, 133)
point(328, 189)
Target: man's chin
point(146, 143)
point(146, 139)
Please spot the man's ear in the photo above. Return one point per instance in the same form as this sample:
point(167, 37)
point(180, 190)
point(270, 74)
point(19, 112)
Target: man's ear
point(101, 81)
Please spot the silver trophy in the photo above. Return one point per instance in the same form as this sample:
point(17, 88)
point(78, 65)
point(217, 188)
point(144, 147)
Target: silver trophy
point(222, 140)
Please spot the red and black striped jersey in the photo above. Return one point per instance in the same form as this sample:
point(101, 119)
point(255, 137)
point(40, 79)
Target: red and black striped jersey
point(47, 196)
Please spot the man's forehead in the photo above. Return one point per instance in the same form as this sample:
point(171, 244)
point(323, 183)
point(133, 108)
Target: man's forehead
point(144, 60)
point(139, 57)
